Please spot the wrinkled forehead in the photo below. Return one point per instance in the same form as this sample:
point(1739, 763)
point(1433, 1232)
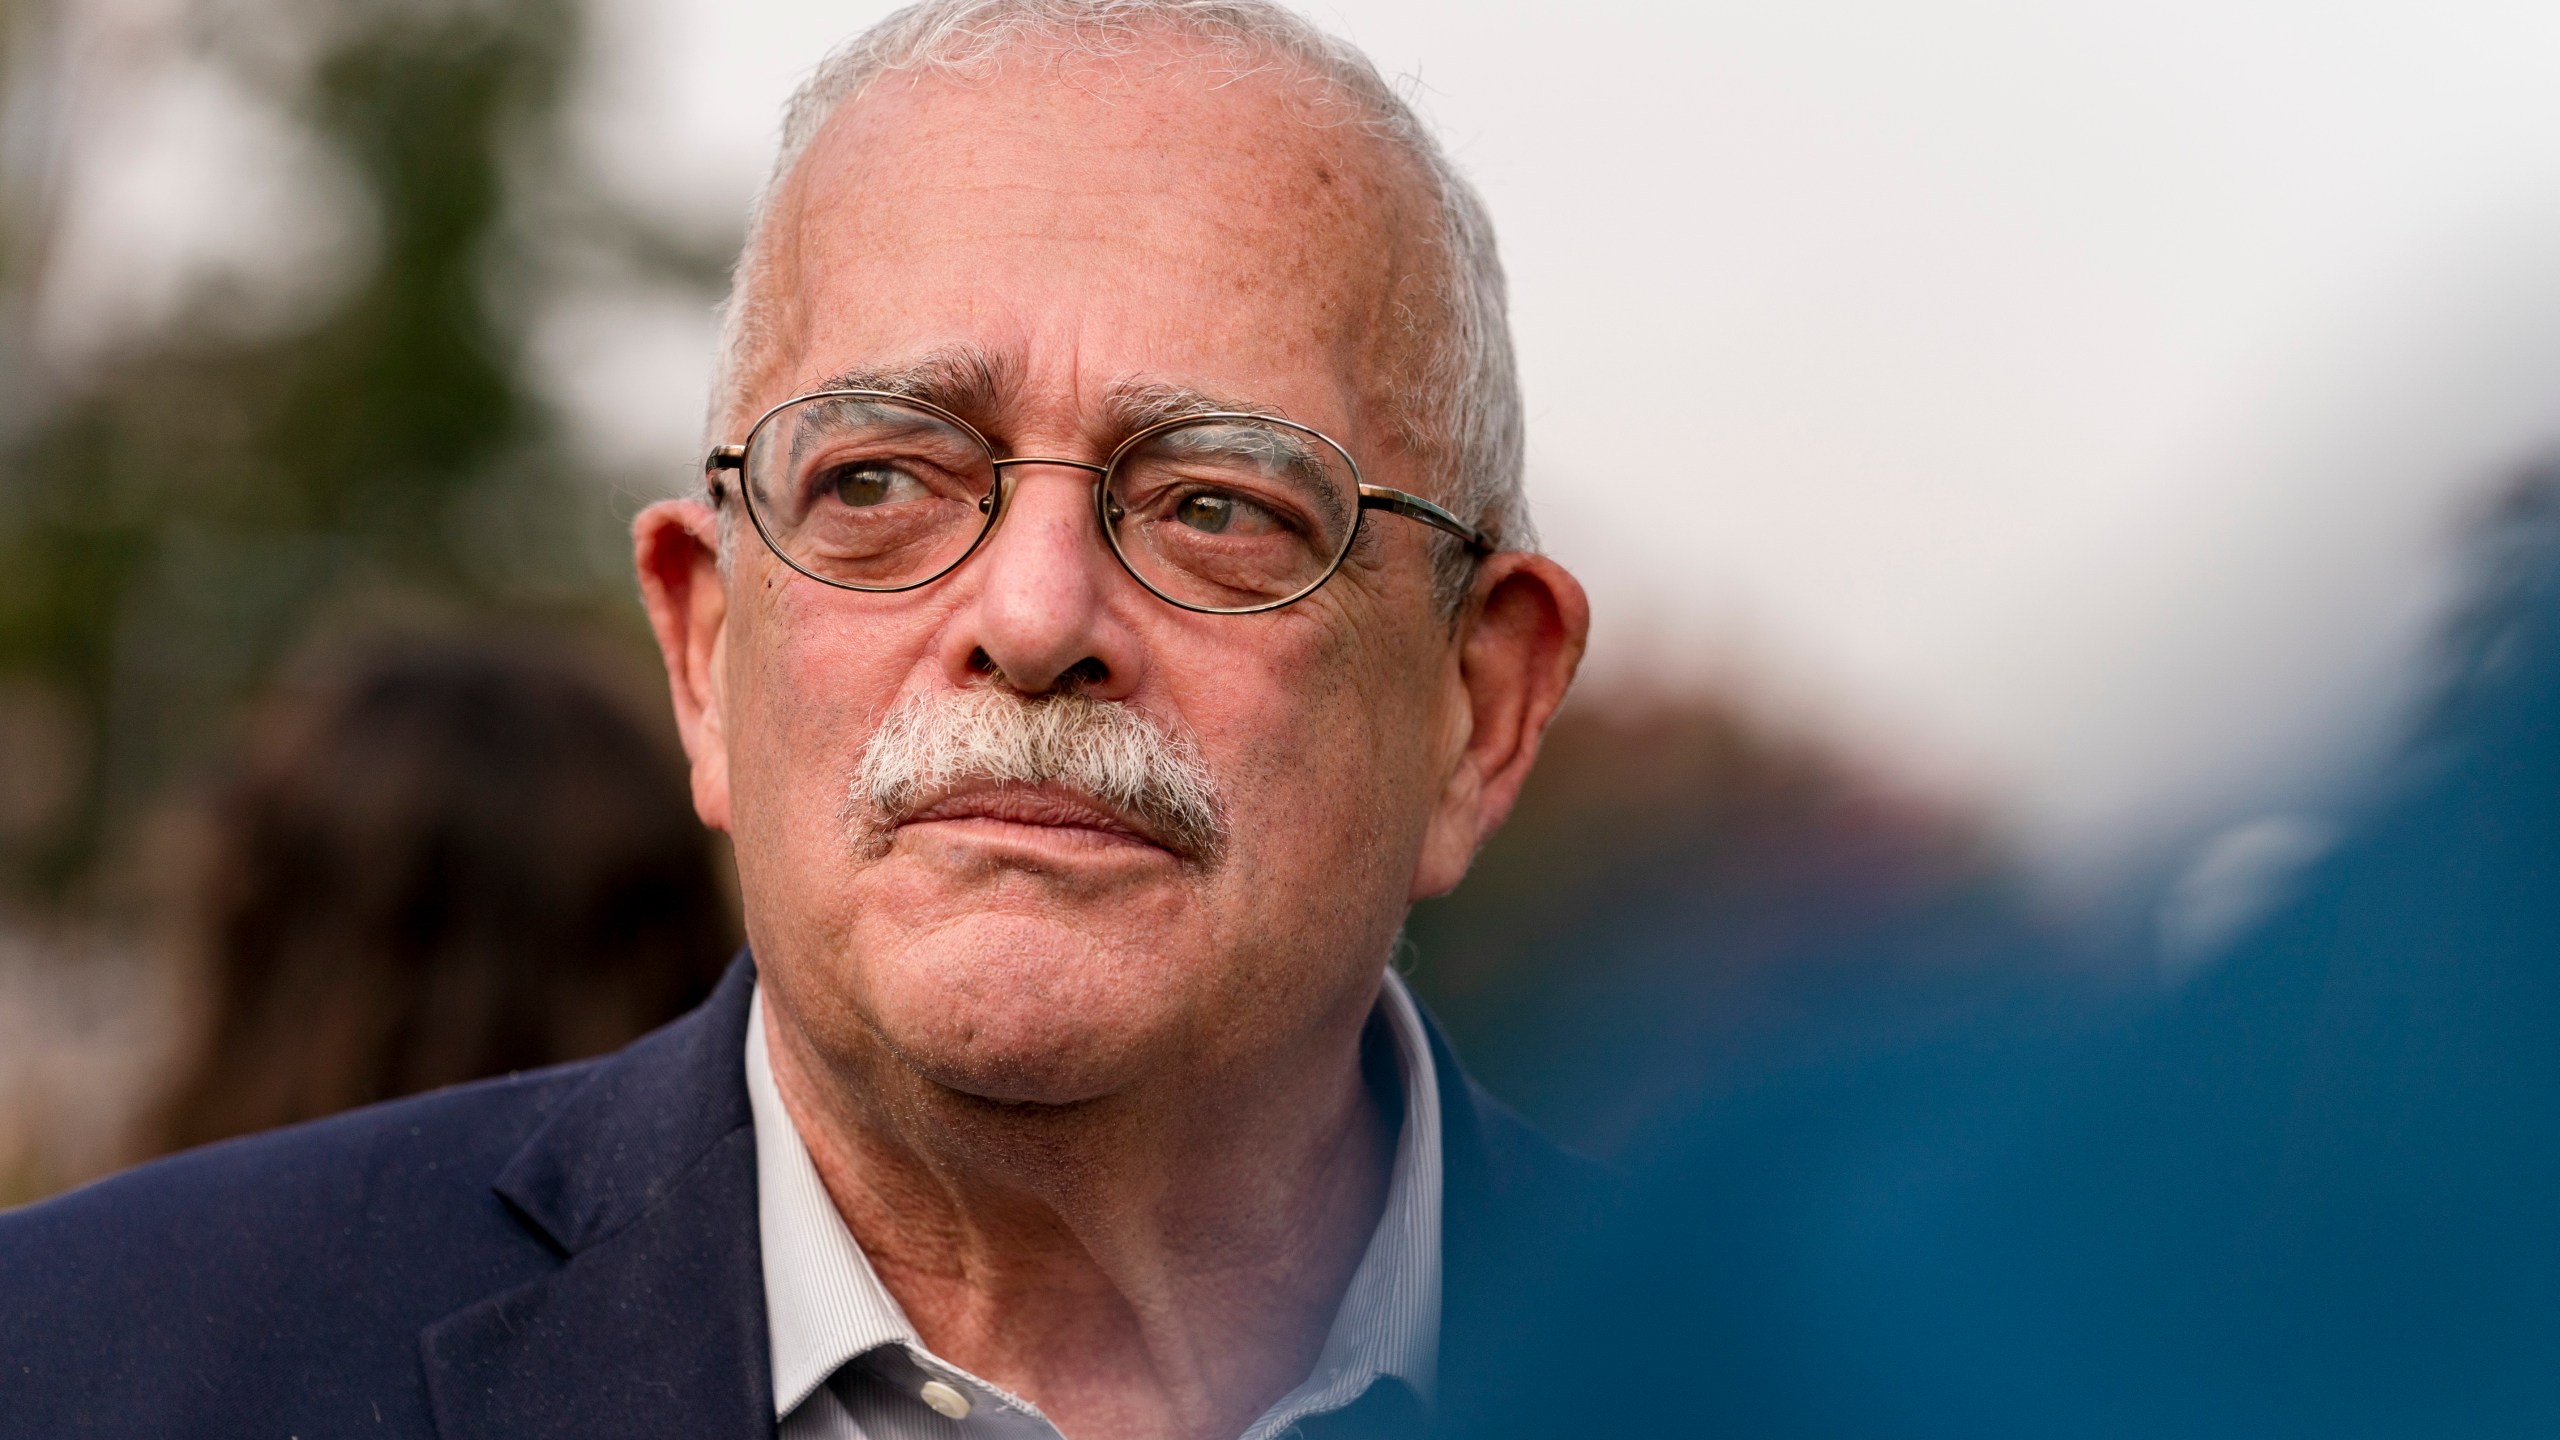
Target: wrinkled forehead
point(1155, 214)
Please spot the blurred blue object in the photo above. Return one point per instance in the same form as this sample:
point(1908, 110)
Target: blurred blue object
point(2315, 1190)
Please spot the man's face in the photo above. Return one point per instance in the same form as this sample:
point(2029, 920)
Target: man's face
point(1089, 238)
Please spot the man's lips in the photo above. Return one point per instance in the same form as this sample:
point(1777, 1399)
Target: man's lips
point(1048, 807)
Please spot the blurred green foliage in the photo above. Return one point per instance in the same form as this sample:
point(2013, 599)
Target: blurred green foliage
point(179, 516)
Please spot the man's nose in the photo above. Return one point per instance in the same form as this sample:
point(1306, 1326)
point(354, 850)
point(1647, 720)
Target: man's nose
point(1042, 616)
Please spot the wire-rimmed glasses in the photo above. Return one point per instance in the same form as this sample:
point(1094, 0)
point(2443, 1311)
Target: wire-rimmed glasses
point(1222, 513)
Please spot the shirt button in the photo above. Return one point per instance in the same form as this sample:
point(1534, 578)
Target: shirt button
point(944, 1399)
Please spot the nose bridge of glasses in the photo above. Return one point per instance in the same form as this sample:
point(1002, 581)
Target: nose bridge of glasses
point(1005, 481)
point(1087, 466)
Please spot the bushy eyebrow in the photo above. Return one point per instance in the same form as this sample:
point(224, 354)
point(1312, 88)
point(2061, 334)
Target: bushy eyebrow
point(977, 384)
point(1133, 405)
point(967, 380)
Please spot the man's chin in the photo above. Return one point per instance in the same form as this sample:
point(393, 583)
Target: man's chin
point(1020, 1009)
point(1039, 1063)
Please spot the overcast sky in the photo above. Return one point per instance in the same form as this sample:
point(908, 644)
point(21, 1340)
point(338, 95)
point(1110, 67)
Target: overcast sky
point(2070, 404)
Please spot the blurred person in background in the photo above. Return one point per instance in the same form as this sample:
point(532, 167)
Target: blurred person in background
point(1110, 607)
point(2308, 1191)
point(441, 859)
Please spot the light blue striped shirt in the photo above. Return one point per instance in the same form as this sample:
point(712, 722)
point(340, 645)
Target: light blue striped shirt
point(847, 1364)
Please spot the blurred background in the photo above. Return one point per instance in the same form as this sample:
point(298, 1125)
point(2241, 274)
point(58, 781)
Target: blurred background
point(2020, 455)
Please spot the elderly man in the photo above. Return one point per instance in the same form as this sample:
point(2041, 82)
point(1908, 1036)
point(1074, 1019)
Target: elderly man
point(1109, 608)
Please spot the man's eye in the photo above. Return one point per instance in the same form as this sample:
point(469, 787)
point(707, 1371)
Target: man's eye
point(865, 485)
point(1215, 514)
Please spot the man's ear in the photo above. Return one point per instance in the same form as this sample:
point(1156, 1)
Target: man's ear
point(1524, 631)
point(675, 545)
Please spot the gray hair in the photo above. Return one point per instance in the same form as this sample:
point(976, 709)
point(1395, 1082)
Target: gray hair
point(1461, 412)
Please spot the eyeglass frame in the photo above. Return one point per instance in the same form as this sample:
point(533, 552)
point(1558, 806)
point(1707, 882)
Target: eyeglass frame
point(726, 458)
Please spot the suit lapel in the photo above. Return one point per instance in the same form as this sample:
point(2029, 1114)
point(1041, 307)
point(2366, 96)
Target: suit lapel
point(654, 1322)
point(1514, 1205)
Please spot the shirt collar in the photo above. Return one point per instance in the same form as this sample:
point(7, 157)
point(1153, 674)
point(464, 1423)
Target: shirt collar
point(824, 1305)
point(1389, 1323)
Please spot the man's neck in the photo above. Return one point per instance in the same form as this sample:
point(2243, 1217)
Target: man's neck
point(1154, 1265)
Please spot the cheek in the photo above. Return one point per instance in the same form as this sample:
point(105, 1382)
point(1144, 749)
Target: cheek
point(809, 677)
point(1327, 755)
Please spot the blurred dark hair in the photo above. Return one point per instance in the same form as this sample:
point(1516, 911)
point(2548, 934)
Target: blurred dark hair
point(445, 859)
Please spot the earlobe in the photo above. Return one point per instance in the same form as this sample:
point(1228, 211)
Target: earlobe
point(675, 547)
point(1523, 640)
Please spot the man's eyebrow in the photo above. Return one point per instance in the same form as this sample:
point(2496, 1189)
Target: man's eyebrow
point(1133, 405)
point(966, 380)
point(974, 383)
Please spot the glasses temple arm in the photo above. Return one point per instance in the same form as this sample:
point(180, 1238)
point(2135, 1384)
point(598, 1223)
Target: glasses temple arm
point(1414, 507)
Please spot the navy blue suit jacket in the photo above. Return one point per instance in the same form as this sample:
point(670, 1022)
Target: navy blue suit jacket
point(567, 1252)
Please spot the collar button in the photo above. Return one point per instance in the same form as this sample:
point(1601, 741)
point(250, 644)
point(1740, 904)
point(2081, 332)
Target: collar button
point(945, 1399)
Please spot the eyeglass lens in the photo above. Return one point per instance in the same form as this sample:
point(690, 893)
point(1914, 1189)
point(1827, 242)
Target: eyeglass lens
point(1231, 514)
point(1218, 513)
point(867, 493)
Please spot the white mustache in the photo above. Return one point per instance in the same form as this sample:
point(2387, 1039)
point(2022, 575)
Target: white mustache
point(1131, 762)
